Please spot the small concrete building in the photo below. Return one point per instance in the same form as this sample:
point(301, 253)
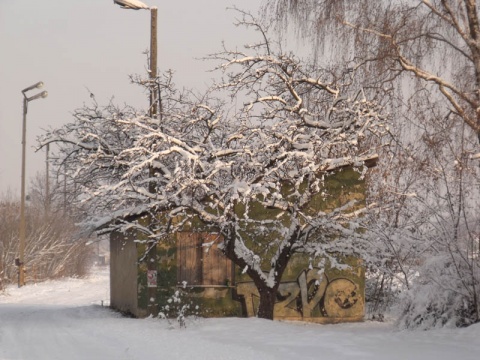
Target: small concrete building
point(214, 287)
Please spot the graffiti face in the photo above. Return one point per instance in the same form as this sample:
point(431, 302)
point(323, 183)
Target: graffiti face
point(343, 292)
point(311, 296)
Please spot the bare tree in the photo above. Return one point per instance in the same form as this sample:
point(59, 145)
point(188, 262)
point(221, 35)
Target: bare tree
point(217, 162)
point(435, 41)
point(53, 245)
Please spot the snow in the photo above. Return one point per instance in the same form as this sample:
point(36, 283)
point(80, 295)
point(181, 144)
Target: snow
point(65, 320)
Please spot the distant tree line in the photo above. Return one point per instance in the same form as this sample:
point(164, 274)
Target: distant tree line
point(54, 247)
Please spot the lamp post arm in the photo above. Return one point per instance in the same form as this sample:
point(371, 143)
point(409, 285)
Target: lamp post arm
point(43, 94)
point(38, 85)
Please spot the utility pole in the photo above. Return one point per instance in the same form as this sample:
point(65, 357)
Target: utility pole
point(20, 261)
point(153, 63)
point(65, 189)
point(47, 182)
point(152, 307)
point(151, 256)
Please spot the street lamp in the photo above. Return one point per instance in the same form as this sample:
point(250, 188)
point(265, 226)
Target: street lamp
point(152, 253)
point(137, 5)
point(26, 100)
point(131, 4)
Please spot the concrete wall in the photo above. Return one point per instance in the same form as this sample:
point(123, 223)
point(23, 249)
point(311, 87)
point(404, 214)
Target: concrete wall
point(305, 294)
point(308, 294)
point(123, 274)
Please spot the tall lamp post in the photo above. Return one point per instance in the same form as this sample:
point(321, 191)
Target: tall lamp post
point(21, 250)
point(152, 307)
point(137, 5)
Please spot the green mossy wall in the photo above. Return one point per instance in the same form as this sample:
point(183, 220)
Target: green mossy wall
point(338, 190)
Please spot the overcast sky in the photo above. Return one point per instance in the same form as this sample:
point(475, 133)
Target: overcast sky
point(75, 45)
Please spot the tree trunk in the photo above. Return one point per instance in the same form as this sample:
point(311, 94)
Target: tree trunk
point(268, 295)
point(267, 302)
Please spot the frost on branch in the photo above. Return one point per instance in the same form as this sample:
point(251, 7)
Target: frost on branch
point(253, 174)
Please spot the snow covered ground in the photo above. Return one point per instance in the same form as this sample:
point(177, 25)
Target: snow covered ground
point(65, 320)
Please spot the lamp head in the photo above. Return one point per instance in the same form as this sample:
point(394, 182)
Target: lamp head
point(38, 85)
point(43, 95)
point(131, 4)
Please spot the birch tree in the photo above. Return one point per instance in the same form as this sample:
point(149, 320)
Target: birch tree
point(435, 41)
point(422, 58)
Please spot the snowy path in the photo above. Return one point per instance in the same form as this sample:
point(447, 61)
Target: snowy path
point(63, 320)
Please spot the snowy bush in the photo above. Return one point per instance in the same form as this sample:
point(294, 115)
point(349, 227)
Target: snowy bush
point(178, 309)
point(381, 294)
point(429, 227)
point(443, 295)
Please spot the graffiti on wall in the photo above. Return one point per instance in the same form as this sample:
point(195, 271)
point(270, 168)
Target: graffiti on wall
point(311, 295)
